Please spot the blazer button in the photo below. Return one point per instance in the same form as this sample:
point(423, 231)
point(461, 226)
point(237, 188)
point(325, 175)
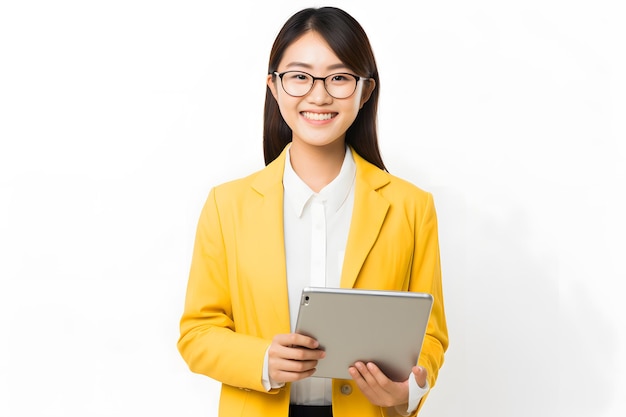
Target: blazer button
point(346, 389)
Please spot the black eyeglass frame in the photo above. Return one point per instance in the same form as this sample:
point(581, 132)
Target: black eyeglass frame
point(313, 78)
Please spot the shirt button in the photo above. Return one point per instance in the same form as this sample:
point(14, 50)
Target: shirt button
point(346, 389)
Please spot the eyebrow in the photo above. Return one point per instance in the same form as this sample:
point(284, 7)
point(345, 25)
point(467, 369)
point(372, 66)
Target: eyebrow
point(309, 66)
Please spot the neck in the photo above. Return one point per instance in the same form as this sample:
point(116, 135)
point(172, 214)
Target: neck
point(317, 166)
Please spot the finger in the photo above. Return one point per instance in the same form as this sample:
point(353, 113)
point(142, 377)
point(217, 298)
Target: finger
point(298, 354)
point(285, 370)
point(286, 376)
point(369, 386)
point(420, 374)
point(366, 375)
point(377, 375)
point(292, 357)
point(374, 377)
point(358, 378)
point(286, 365)
point(282, 347)
point(295, 339)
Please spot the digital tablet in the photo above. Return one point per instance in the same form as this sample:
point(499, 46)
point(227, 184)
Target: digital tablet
point(351, 325)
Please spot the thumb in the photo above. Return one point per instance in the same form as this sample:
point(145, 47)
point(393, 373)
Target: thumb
point(420, 374)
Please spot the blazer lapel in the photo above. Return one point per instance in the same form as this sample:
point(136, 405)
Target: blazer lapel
point(368, 215)
point(269, 230)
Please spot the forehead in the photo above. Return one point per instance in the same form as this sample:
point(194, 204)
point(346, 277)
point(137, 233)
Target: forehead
point(310, 51)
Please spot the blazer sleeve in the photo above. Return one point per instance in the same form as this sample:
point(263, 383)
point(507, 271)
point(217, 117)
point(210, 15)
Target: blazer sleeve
point(426, 277)
point(208, 342)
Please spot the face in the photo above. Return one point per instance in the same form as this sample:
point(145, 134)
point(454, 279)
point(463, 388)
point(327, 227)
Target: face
point(317, 119)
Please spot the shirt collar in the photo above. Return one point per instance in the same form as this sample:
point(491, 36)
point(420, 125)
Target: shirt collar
point(298, 194)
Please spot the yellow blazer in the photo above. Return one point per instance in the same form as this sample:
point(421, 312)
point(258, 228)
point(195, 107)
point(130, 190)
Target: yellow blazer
point(237, 291)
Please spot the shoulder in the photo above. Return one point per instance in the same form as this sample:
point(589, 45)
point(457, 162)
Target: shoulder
point(407, 197)
point(394, 189)
point(266, 181)
point(401, 185)
point(237, 185)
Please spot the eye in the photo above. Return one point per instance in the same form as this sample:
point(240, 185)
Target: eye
point(297, 77)
point(340, 79)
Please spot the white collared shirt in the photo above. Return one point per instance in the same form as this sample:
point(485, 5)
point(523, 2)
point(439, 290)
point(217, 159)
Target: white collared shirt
point(316, 232)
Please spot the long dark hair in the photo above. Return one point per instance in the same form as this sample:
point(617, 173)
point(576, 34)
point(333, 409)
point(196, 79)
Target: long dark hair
point(350, 43)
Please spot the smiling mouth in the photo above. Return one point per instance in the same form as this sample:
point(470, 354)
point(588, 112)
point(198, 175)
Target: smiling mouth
point(318, 116)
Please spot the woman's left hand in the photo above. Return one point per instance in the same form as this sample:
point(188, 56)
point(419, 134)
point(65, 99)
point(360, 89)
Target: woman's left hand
point(379, 389)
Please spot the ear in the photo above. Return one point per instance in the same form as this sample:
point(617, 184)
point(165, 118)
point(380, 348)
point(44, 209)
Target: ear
point(272, 85)
point(367, 90)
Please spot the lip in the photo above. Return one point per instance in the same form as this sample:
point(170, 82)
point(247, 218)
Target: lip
point(318, 116)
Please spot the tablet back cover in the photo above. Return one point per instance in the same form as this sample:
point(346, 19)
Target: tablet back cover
point(384, 327)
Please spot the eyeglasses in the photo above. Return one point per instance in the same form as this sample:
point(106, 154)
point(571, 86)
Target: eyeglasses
point(299, 83)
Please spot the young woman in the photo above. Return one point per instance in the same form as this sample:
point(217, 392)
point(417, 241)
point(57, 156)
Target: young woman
point(323, 212)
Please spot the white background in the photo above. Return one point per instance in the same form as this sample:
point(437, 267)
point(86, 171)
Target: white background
point(116, 118)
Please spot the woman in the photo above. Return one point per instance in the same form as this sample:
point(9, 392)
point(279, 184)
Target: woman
point(323, 212)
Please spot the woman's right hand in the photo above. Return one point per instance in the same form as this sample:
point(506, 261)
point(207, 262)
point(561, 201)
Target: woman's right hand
point(292, 357)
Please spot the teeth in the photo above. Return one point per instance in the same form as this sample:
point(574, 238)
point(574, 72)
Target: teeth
point(317, 116)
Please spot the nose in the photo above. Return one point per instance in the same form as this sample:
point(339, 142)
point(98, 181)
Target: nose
point(318, 93)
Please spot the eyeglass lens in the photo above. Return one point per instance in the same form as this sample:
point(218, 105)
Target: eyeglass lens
point(299, 84)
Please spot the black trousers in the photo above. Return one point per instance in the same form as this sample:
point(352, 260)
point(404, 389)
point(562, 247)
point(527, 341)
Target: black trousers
point(310, 410)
